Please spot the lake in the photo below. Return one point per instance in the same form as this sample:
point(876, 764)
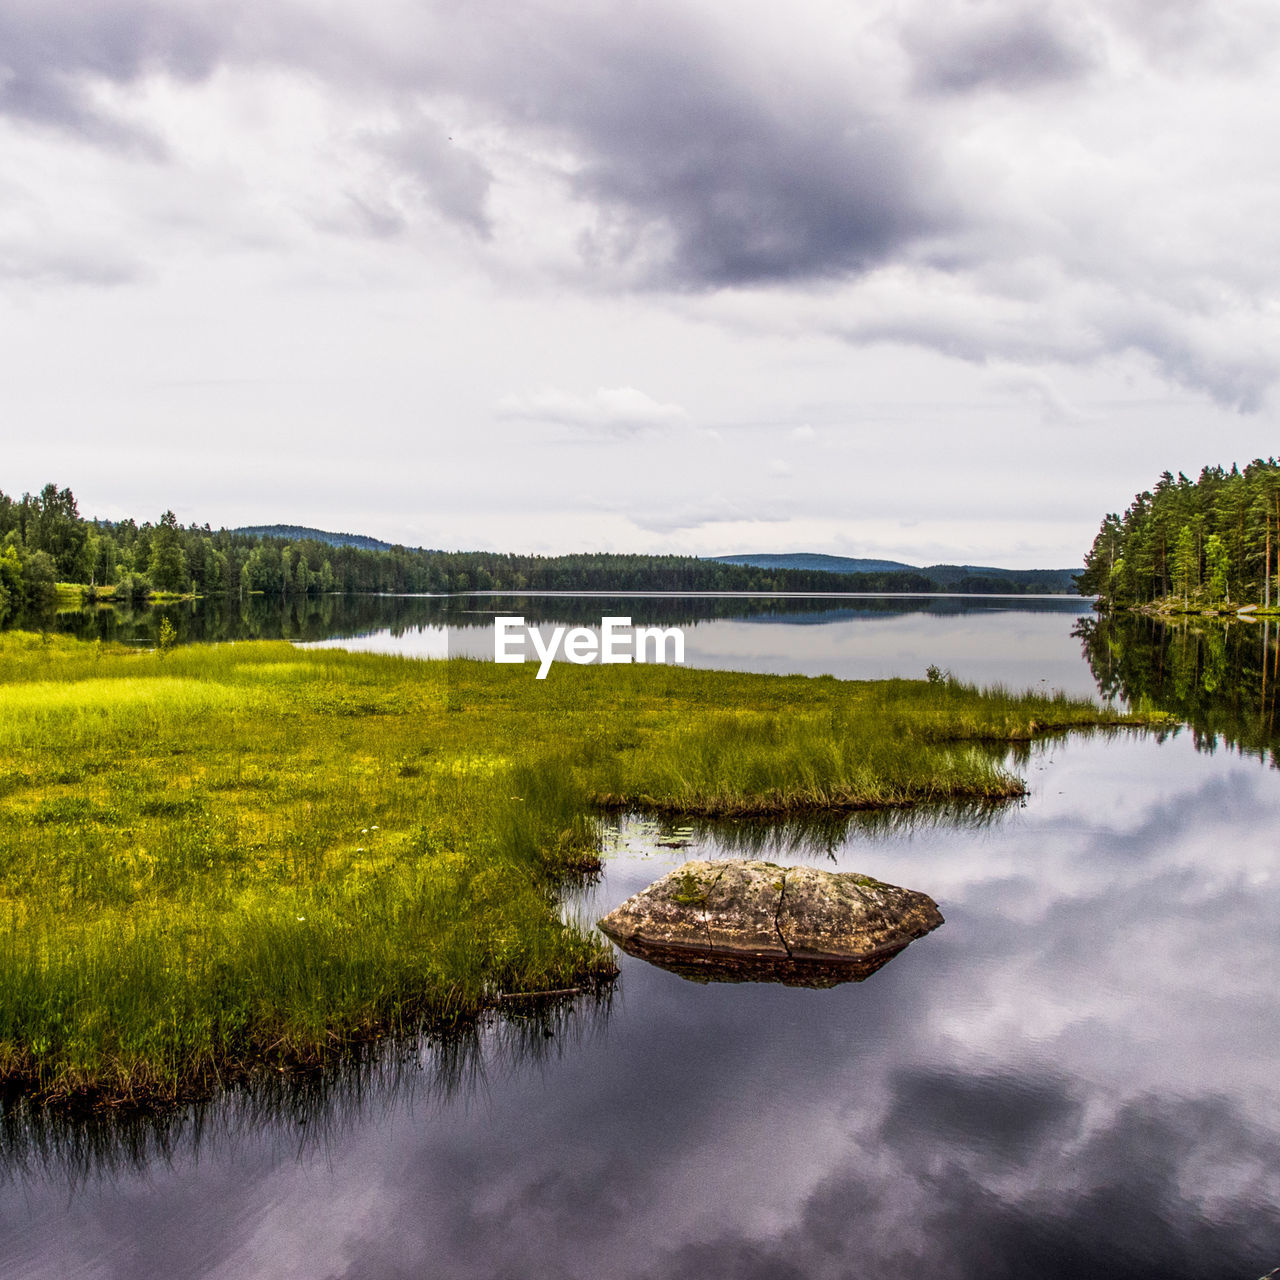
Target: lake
point(1073, 1077)
point(1019, 640)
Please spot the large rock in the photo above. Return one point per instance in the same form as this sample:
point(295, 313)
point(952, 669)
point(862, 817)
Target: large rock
point(752, 921)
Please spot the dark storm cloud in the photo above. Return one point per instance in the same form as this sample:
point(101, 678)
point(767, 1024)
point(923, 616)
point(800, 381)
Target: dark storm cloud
point(750, 200)
point(51, 52)
point(700, 176)
point(1017, 50)
point(742, 186)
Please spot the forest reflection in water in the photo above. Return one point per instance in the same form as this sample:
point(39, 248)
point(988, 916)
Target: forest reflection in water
point(327, 617)
point(1220, 676)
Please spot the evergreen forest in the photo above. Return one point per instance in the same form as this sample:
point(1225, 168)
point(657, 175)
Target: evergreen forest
point(1192, 544)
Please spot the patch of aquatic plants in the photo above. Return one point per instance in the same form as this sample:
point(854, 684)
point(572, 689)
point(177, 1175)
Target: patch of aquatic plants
point(232, 857)
point(790, 746)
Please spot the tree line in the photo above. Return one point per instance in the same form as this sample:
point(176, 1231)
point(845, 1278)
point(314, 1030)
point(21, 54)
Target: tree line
point(44, 540)
point(1196, 543)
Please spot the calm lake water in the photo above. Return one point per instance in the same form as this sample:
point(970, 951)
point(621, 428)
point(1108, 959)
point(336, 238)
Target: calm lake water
point(1019, 640)
point(1074, 1077)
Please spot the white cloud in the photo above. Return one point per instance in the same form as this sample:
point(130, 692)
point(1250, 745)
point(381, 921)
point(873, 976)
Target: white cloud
point(713, 510)
point(609, 411)
point(1039, 390)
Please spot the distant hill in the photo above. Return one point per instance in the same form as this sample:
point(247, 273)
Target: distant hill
point(821, 563)
point(298, 532)
point(948, 577)
point(877, 575)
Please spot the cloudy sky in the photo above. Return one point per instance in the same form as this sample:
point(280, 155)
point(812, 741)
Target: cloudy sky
point(936, 281)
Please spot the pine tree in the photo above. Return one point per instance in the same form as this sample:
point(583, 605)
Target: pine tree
point(1217, 568)
point(1186, 564)
point(168, 563)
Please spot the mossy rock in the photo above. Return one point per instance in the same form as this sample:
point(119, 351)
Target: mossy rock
point(746, 920)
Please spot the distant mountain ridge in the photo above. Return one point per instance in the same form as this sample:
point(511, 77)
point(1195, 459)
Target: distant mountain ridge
point(822, 563)
point(946, 576)
point(299, 532)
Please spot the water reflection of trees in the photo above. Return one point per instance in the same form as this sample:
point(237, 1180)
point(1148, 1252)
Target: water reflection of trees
point(1220, 677)
point(259, 617)
point(226, 618)
point(298, 1112)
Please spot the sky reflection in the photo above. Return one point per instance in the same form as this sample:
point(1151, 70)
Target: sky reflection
point(1073, 1077)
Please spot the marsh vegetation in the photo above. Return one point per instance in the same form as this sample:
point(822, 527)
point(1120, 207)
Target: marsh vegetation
point(221, 859)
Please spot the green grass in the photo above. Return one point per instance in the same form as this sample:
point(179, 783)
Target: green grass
point(235, 856)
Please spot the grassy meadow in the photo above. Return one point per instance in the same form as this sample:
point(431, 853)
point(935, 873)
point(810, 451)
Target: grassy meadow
point(235, 857)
